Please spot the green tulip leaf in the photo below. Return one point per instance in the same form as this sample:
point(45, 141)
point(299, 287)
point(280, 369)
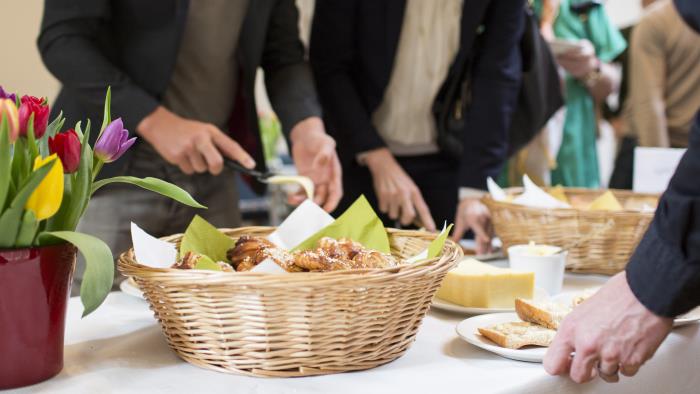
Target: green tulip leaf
point(31, 140)
point(27, 229)
point(5, 162)
point(9, 223)
point(154, 185)
point(107, 115)
point(99, 266)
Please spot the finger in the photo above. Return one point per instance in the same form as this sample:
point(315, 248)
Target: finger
point(297, 197)
point(423, 212)
point(408, 213)
point(232, 150)
point(335, 186)
point(320, 194)
point(557, 360)
point(197, 161)
point(583, 366)
point(323, 157)
point(215, 163)
point(629, 370)
point(460, 227)
point(186, 166)
point(394, 206)
point(608, 371)
point(483, 245)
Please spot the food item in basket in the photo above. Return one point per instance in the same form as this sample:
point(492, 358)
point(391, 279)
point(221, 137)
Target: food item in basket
point(192, 260)
point(515, 335)
point(558, 193)
point(605, 202)
point(479, 285)
point(546, 314)
point(330, 255)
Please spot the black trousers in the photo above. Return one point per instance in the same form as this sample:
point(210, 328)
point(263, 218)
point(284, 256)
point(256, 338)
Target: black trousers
point(435, 175)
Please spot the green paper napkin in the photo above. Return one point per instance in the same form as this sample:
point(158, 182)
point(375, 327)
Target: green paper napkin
point(205, 263)
point(436, 245)
point(359, 223)
point(204, 239)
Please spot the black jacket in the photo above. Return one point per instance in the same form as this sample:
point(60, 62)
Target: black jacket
point(664, 272)
point(352, 51)
point(132, 45)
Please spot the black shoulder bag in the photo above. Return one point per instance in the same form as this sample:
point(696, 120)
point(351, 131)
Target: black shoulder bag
point(539, 97)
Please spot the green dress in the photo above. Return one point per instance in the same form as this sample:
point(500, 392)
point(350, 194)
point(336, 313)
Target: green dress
point(577, 160)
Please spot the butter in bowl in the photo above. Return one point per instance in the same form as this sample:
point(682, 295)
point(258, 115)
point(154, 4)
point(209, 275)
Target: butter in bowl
point(547, 262)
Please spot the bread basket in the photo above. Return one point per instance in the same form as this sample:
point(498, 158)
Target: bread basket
point(297, 324)
point(599, 241)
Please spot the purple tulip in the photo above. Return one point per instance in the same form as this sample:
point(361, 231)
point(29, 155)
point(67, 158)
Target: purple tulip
point(113, 142)
point(5, 95)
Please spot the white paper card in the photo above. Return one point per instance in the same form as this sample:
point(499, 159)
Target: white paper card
point(496, 192)
point(654, 167)
point(534, 196)
point(268, 266)
point(151, 251)
point(306, 220)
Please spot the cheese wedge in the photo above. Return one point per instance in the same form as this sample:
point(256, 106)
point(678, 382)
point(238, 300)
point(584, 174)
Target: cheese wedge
point(558, 193)
point(605, 202)
point(478, 285)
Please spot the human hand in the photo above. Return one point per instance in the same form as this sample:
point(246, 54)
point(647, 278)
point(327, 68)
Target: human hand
point(472, 214)
point(314, 156)
point(398, 195)
point(579, 62)
point(610, 332)
point(191, 145)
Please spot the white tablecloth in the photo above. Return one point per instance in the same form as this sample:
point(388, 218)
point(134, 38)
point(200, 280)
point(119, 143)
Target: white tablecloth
point(120, 348)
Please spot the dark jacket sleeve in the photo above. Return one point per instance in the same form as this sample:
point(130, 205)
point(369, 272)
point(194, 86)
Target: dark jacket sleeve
point(664, 272)
point(496, 81)
point(333, 51)
point(68, 43)
point(288, 77)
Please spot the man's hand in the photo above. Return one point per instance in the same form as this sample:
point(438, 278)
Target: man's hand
point(579, 62)
point(398, 195)
point(314, 156)
point(473, 215)
point(191, 145)
point(610, 332)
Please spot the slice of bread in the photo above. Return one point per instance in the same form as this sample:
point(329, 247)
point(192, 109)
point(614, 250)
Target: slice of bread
point(547, 314)
point(515, 335)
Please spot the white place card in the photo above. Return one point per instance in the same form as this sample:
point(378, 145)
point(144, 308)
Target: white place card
point(654, 167)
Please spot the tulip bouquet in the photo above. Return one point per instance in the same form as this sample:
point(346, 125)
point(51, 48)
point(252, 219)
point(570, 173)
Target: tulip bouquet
point(47, 177)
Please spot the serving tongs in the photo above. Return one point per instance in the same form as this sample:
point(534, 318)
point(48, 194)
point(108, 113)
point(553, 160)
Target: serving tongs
point(273, 178)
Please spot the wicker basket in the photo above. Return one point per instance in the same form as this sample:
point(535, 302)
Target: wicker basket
point(299, 324)
point(599, 241)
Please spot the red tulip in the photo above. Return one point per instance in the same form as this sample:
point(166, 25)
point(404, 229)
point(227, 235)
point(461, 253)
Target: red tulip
point(67, 146)
point(33, 105)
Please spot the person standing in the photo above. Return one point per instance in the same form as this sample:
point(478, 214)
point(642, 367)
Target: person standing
point(588, 81)
point(621, 326)
point(182, 77)
point(664, 78)
point(379, 67)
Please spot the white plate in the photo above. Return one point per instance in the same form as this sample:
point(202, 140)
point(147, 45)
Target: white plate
point(129, 287)
point(683, 320)
point(439, 303)
point(467, 330)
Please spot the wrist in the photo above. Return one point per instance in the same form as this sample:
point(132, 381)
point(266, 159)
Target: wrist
point(306, 128)
point(147, 125)
point(376, 157)
point(594, 74)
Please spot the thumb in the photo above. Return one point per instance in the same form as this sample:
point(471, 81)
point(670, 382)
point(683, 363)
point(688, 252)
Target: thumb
point(460, 228)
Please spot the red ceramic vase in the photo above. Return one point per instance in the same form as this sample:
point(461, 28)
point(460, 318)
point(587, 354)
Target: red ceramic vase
point(34, 289)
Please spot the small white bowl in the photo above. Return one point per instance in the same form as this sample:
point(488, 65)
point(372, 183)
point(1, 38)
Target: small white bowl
point(547, 262)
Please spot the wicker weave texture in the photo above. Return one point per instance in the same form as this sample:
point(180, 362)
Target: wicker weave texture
point(299, 324)
point(602, 241)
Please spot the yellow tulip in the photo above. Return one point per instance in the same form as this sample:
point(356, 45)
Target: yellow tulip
point(46, 198)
